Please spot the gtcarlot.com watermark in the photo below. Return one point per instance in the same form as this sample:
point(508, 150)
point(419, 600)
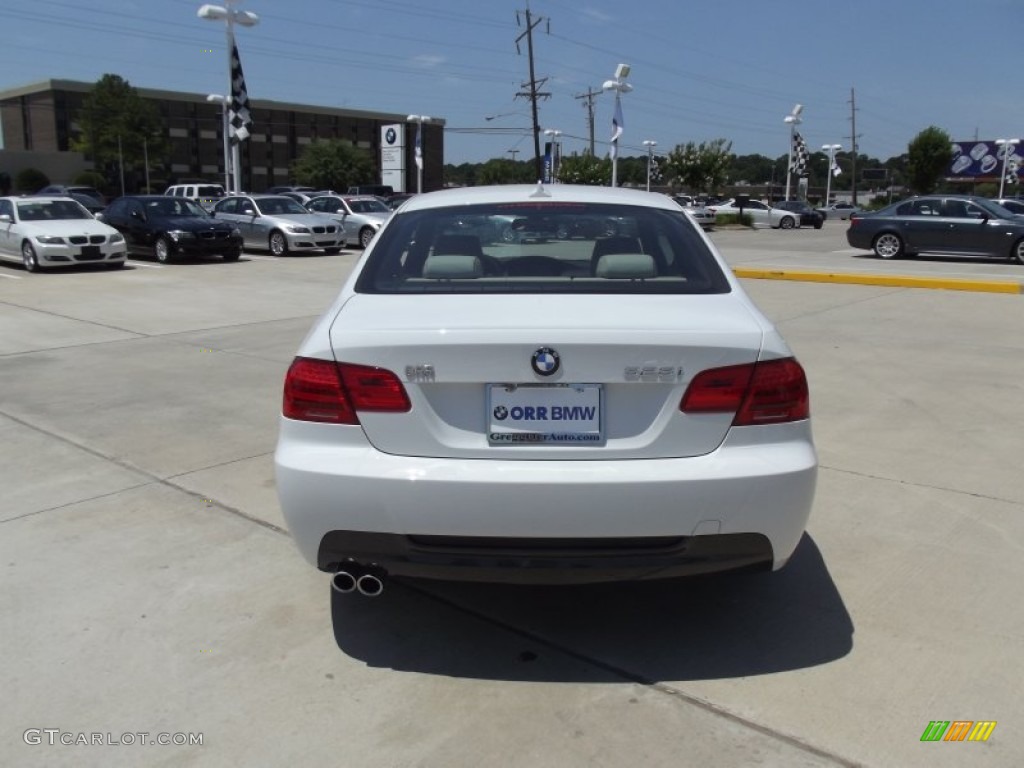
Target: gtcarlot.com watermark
point(57, 737)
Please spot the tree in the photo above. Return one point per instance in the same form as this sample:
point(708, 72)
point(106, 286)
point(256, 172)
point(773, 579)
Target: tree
point(700, 167)
point(117, 124)
point(502, 171)
point(333, 164)
point(30, 180)
point(928, 156)
point(585, 169)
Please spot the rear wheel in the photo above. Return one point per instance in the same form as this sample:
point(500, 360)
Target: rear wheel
point(162, 248)
point(787, 222)
point(28, 257)
point(278, 244)
point(365, 236)
point(888, 246)
point(232, 255)
point(1018, 251)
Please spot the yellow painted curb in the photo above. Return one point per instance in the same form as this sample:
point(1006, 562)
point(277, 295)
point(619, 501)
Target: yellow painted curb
point(889, 281)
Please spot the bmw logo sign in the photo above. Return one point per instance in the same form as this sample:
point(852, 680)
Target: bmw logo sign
point(390, 136)
point(545, 361)
point(501, 413)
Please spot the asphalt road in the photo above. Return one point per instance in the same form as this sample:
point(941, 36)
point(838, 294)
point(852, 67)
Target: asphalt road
point(151, 587)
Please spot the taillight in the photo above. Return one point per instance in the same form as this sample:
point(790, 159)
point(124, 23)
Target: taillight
point(324, 391)
point(768, 392)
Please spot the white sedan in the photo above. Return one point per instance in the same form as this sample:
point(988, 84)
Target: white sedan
point(42, 232)
point(762, 214)
point(603, 408)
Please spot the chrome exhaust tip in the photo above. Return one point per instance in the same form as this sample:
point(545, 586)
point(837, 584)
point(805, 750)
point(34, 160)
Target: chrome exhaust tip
point(370, 585)
point(343, 582)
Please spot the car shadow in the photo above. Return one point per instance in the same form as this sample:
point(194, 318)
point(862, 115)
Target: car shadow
point(939, 258)
point(701, 628)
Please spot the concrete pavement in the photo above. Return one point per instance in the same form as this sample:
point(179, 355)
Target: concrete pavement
point(151, 586)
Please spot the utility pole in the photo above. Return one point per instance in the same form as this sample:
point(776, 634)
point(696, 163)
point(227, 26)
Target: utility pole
point(853, 143)
point(589, 106)
point(513, 152)
point(532, 93)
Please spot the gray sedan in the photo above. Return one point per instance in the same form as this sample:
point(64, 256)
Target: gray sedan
point(280, 224)
point(362, 216)
point(954, 224)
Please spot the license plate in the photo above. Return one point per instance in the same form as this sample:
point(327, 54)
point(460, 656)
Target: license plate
point(545, 414)
point(91, 252)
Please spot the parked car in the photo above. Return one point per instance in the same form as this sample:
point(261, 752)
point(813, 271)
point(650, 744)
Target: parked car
point(808, 216)
point(304, 197)
point(63, 189)
point(280, 224)
point(760, 213)
point(42, 232)
point(1012, 204)
point(172, 227)
point(280, 190)
point(207, 195)
point(397, 199)
point(362, 216)
point(840, 211)
point(376, 190)
point(92, 204)
point(600, 409)
point(953, 224)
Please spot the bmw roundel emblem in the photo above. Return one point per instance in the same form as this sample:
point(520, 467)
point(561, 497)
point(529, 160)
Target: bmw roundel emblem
point(390, 136)
point(545, 361)
point(501, 413)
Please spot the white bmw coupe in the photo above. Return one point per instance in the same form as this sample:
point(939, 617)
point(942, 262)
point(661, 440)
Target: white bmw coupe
point(609, 407)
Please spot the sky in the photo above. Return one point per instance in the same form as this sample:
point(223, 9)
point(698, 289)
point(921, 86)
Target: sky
point(700, 71)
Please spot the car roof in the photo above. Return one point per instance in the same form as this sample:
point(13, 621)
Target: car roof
point(526, 193)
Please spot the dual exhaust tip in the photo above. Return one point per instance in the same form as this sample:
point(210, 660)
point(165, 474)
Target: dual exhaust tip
point(355, 578)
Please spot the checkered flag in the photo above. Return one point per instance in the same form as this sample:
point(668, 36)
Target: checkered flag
point(656, 169)
point(836, 170)
point(800, 155)
point(239, 118)
point(1012, 169)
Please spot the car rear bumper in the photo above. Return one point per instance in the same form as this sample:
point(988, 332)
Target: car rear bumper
point(744, 504)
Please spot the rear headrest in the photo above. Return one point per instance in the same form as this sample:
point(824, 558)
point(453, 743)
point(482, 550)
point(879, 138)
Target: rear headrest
point(452, 266)
point(625, 266)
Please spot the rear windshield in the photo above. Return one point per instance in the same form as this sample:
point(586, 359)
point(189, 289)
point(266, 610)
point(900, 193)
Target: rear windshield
point(210, 192)
point(542, 248)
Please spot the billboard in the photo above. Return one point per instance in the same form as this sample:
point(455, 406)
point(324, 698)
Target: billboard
point(984, 159)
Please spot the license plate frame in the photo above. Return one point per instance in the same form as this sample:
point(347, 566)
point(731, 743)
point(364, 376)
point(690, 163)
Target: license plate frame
point(546, 415)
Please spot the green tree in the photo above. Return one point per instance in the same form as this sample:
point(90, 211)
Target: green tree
point(700, 167)
point(333, 164)
point(928, 156)
point(30, 180)
point(116, 124)
point(503, 171)
point(585, 169)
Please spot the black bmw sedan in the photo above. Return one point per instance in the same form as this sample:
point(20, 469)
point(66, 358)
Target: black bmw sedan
point(171, 227)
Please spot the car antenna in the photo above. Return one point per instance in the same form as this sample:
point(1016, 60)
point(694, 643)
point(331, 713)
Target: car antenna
point(540, 191)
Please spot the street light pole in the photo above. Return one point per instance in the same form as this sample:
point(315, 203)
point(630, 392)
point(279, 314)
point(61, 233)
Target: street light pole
point(231, 16)
point(831, 149)
point(620, 86)
point(793, 120)
point(419, 120)
point(556, 152)
point(650, 156)
point(216, 98)
point(1007, 145)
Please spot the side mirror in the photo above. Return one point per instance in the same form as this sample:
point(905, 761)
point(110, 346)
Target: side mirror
point(6, 217)
point(249, 212)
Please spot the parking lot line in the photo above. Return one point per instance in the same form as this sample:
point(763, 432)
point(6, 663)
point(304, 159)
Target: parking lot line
point(11, 277)
point(891, 281)
point(260, 258)
point(134, 263)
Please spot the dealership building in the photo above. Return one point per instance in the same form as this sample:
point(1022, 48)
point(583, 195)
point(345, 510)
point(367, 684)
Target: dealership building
point(38, 122)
